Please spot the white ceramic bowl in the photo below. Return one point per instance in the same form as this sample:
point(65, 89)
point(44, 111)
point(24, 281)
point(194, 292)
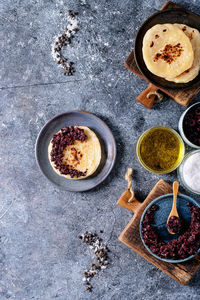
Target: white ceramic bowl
point(180, 172)
point(180, 127)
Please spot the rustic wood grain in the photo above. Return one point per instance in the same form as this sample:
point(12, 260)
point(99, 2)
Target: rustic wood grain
point(183, 97)
point(143, 99)
point(130, 236)
point(123, 201)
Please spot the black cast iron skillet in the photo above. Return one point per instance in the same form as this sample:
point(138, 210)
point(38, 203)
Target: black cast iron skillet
point(174, 15)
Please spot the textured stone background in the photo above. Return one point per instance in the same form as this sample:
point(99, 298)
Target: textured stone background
point(40, 255)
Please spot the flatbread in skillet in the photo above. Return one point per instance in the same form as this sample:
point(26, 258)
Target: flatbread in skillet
point(167, 51)
point(194, 36)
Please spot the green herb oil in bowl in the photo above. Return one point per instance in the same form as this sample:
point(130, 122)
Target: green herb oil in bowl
point(160, 150)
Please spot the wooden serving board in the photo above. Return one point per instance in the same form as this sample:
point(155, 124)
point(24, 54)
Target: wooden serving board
point(130, 236)
point(183, 97)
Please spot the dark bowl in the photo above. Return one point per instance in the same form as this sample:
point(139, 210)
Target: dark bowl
point(161, 215)
point(175, 15)
point(185, 136)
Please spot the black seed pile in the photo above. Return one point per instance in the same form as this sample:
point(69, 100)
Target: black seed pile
point(66, 136)
point(175, 224)
point(101, 252)
point(63, 40)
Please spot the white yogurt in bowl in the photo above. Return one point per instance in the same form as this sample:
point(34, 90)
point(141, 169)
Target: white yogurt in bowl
point(189, 172)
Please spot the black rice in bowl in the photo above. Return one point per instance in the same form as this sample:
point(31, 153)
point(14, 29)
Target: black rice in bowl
point(187, 243)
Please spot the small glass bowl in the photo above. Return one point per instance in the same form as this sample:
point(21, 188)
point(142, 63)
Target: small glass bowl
point(180, 172)
point(180, 127)
point(182, 150)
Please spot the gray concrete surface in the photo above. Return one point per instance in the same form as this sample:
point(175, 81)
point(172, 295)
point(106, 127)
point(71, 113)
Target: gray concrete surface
point(40, 255)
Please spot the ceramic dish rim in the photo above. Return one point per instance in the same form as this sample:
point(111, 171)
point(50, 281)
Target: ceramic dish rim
point(99, 120)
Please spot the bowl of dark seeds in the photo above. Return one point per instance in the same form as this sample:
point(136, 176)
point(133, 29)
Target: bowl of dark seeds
point(173, 248)
point(189, 126)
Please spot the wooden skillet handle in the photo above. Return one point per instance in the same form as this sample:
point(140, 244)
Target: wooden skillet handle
point(123, 202)
point(143, 99)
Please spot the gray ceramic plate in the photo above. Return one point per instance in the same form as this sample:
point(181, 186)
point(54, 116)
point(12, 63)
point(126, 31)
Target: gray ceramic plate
point(161, 215)
point(73, 118)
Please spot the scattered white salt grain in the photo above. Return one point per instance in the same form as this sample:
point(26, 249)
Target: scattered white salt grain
point(73, 23)
point(100, 250)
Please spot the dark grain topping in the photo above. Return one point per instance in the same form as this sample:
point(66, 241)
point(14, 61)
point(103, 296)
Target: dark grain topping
point(60, 141)
point(156, 36)
point(175, 224)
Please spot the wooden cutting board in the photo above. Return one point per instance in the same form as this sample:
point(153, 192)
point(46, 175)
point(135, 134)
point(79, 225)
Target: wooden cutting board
point(130, 236)
point(183, 97)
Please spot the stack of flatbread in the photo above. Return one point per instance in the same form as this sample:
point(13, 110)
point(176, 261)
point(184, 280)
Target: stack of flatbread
point(172, 51)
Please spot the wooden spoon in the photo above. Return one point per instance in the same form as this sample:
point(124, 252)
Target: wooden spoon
point(174, 212)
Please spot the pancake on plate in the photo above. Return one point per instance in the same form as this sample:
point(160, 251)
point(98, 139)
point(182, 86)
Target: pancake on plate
point(194, 36)
point(74, 152)
point(167, 50)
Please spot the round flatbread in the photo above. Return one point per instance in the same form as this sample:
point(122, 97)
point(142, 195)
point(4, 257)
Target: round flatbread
point(83, 156)
point(194, 36)
point(167, 51)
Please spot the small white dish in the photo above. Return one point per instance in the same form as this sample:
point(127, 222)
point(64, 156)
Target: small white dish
point(181, 172)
